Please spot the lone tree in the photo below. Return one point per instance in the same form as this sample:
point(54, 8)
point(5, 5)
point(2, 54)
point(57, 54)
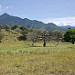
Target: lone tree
point(69, 36)
point(45, 36)
point(44, 39)
point(34, 36)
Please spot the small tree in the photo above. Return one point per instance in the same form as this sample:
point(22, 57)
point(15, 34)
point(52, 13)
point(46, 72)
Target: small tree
point(7, 28)
point(18, 30)
point(69, 36)
point(15, 26)
point(24, 35)
point(45, 36)
point(33, 37)
point(57, 34)
point(24, 28)
point(69, 28)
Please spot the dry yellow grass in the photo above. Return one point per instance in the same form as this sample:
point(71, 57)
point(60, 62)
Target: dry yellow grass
point(20, 58)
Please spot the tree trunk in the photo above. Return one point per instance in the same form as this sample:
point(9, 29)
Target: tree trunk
point(44, 45)
point(72, 42)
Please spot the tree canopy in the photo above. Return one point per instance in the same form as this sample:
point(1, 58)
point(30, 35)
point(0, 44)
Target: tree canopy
point(69, 36)
point(15, 26)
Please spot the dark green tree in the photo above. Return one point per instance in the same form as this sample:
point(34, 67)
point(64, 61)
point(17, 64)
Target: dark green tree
point(69, 28)
point(69, 36)
point(15, 26)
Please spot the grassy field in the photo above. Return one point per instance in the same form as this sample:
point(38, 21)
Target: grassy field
point(21, 58)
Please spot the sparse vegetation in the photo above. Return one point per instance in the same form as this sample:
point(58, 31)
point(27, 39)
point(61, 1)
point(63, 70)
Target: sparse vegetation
point(21, 58)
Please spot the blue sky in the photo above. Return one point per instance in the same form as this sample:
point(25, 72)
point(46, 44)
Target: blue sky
point(60, 12)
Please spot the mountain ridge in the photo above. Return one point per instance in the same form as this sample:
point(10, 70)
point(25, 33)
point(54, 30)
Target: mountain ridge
point(11, 20)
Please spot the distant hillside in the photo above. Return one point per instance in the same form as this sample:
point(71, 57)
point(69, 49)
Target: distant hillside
point(68, 26)
point(11, 20)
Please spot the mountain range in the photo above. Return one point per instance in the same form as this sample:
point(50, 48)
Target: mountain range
point(11, 20)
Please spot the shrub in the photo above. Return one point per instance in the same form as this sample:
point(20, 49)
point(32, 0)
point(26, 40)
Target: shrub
point(24, 35)
point(69, 36)
point(15, 26)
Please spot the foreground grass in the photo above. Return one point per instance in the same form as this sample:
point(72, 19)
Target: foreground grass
point(42, 64)
point(20, 58)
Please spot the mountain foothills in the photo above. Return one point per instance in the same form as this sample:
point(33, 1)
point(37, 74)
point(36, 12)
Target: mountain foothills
point(11, 20)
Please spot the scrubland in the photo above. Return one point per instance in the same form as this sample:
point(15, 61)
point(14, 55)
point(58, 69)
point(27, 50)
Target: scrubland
point(21, 58)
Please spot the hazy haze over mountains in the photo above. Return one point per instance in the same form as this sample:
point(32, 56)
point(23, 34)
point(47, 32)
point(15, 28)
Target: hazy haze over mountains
point(61, 21)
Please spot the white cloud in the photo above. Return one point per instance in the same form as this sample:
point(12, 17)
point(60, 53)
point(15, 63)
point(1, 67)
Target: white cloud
point(61, 21)
point(6, 8)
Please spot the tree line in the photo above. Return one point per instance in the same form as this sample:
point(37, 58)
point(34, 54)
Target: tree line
point(35, 35)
